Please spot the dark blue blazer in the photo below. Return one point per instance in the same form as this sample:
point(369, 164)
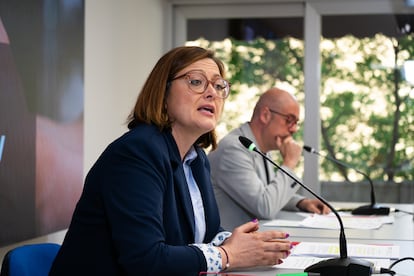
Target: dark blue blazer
point(135, 215)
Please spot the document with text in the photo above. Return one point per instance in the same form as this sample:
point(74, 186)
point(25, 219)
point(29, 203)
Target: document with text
point(331, 222)
point(375, 251)
point(302, 262)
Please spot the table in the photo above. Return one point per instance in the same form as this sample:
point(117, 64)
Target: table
point(400, 233)
point(401, 229)
point(402, 269)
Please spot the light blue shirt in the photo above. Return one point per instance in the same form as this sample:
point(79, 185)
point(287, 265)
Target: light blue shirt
point(197, 201)
point(210, 251)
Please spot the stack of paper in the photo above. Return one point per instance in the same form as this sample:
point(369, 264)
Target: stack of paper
point(354, 250)
point(331, 222)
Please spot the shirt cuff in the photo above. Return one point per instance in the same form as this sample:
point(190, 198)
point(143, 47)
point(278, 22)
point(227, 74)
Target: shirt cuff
point(211, 252)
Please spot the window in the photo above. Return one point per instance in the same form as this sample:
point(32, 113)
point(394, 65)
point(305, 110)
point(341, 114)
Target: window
point(319, 25)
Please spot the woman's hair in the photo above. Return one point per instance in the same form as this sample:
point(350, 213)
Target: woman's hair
point(150, 107)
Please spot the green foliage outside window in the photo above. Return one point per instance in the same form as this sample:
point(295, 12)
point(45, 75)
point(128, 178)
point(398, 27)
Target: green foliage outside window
point(367, 112)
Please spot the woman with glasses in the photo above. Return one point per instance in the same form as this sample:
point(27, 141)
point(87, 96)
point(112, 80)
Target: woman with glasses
point(245, 184)
point(148, 207)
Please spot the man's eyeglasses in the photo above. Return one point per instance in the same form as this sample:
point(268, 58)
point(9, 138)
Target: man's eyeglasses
point(198, 83)
point(290, 119)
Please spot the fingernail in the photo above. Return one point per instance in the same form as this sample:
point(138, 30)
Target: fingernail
point(255, 220)
point(280, 261)
point(287, 235)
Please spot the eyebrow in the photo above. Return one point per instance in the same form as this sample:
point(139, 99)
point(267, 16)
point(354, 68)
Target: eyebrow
point(204, 73)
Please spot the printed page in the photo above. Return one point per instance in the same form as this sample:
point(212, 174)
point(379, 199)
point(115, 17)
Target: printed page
point(354, 250)
point(331, 222)
point(302, 262)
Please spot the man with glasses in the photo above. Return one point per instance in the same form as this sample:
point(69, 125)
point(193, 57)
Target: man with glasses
point(245, 184)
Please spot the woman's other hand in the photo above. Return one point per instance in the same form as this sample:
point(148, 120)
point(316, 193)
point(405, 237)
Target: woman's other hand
point(247, 247)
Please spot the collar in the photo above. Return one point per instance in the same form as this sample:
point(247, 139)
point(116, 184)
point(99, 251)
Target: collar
point(190, 156)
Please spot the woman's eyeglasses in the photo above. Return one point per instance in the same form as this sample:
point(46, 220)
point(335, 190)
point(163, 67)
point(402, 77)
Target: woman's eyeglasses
point(290, 119)
point(198, 83)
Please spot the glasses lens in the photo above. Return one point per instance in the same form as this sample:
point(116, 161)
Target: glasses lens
point(197, 82)
point(222, 87)
point(291, 121)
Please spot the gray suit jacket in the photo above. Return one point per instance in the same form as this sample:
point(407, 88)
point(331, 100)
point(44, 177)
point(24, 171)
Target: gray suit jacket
point(240, 182)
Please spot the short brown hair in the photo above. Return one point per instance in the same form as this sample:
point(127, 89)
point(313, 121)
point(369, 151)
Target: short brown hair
point(150, 105)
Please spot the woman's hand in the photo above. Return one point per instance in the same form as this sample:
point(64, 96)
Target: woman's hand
point(247, 247)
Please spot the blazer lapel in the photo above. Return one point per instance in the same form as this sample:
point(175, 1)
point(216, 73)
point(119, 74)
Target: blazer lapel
point(201, 174)
point(181, 186)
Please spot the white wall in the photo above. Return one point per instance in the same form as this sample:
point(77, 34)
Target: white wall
point(123, 40)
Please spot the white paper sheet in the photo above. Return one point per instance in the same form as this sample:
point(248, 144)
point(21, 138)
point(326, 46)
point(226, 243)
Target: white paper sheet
point(302, 262)
point(331, 222)
point(354, 250)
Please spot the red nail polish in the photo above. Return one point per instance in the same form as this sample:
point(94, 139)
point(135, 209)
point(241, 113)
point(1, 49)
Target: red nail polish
point(280, 261)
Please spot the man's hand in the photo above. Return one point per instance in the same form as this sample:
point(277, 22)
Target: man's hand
point(290, 150)
point(313, 206)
